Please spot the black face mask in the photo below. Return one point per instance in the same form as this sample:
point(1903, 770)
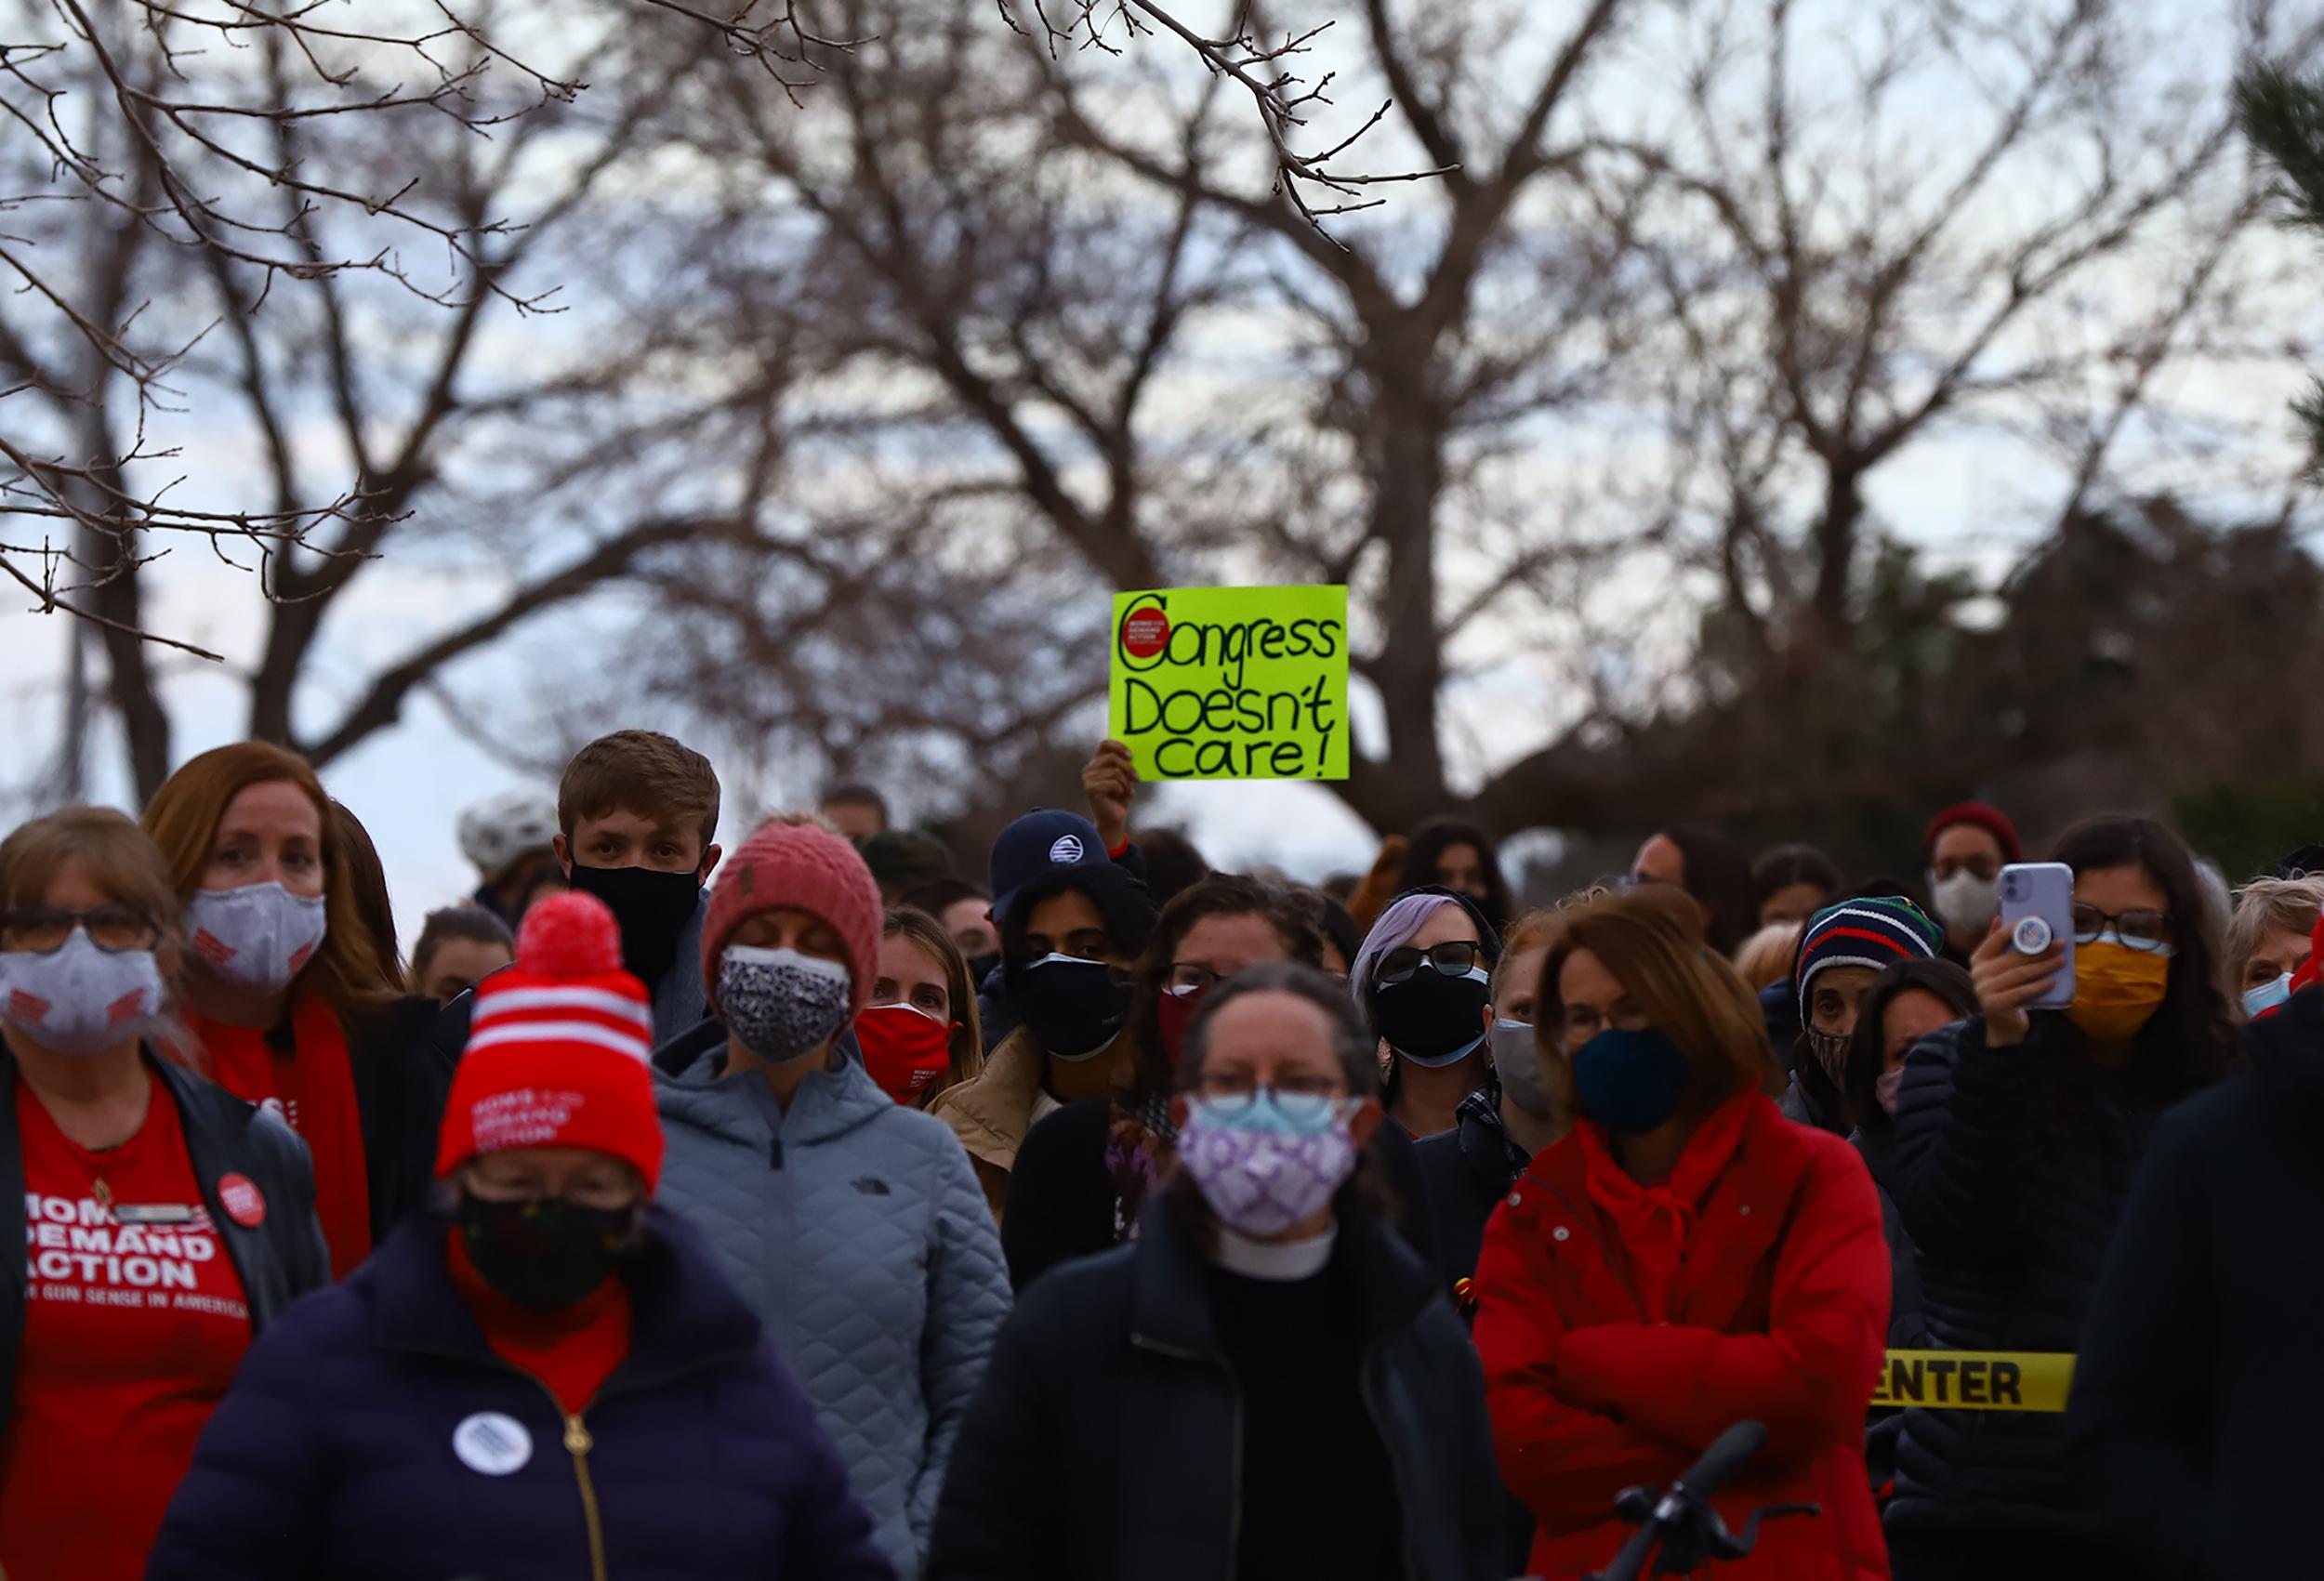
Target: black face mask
point(652, 908)
point(982, 967)
point(544, 1254)
point(1073, 1008)
point(1431, 1019)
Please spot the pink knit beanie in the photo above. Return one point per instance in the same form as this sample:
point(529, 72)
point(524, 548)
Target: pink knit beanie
point(801, 867)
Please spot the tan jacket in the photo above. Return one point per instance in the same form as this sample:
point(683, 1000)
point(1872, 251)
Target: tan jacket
point(991, 1113)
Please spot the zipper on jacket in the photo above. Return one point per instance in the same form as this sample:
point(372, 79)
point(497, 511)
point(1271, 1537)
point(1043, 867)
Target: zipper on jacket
point(1234, 1461)
point(578, 1444)
point(579, 1441)
point(1412, 1565)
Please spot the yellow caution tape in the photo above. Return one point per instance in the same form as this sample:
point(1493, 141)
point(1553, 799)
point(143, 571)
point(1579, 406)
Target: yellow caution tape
point(1975, 1380)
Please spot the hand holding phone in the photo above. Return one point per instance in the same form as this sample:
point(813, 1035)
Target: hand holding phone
point(2028, 962)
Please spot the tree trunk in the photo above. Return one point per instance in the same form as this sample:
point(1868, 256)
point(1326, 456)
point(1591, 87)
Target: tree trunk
point(120, 598)
point(1407, 459)
point(290, 633)
point(1836, 536)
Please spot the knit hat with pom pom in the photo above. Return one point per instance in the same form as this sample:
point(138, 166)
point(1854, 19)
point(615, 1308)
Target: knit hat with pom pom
point(797, 864)
point(559, 1049)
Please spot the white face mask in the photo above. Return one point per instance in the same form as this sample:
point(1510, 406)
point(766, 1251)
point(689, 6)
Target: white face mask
point(78, 998)
point(256, 937)
point(1966, 903)
point(1517, 1058)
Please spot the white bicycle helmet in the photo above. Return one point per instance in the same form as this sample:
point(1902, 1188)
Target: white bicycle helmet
point(506, 829)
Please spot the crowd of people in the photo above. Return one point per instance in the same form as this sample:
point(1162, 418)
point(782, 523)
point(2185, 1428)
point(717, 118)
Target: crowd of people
point(815, 1208)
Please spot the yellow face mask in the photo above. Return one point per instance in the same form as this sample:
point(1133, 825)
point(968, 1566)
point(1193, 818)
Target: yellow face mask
point(2117, 990)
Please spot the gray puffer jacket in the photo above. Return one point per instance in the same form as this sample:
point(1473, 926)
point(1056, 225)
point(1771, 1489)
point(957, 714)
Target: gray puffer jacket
point(854, 1227)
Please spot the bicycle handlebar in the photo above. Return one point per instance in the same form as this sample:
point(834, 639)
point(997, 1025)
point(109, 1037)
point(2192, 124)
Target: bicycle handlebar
point(1722, 1460)
point(1681, 1519)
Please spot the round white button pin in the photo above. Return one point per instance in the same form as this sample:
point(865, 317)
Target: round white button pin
point(492, 1443)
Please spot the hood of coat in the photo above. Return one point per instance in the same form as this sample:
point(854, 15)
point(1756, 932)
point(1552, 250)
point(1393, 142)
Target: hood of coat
point(2287, 1049)
point(1485, 1145)
point(829, 1103)
point(1811, 1099)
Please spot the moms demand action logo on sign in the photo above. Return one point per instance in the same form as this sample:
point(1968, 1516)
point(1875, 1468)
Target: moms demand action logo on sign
point(77, 1252)
point(1232, 683)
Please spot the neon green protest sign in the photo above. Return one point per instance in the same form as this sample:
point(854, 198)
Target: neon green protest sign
point(1232, 683)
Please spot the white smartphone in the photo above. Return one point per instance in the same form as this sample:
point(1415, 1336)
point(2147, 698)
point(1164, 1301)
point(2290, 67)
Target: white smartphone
point(2037, 910)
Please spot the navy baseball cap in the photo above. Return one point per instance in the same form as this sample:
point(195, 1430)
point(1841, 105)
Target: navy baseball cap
point(1038, 846)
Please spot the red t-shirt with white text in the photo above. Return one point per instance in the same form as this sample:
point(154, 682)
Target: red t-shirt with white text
point(132, 1331)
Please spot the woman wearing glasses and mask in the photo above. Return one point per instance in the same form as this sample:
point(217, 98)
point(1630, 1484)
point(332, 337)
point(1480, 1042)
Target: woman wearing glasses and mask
point(1683, 1259)
point(167, 1222)
point(552, 1379)
point(2016, 1140)
point(1423, 981)
point(1265, 1383)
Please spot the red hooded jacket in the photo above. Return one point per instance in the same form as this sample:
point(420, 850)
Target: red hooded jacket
point(1775, 1309)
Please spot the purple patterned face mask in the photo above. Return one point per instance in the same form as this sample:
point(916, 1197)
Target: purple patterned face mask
point(1263, 1182)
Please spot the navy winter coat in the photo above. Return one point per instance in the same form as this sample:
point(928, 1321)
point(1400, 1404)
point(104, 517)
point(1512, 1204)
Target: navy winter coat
point(2196, 1398)
point(2010, 1234)
point(373, 1435)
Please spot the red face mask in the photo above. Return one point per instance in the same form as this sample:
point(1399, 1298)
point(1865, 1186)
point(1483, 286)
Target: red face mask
point(905, 1049)
point(1175, 1013)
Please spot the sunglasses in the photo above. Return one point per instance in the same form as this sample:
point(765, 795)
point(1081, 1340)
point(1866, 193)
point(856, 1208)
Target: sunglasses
point(1458, 958)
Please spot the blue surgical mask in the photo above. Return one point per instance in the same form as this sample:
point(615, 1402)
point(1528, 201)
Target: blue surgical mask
point(2266, 996)
point(1631, 1081)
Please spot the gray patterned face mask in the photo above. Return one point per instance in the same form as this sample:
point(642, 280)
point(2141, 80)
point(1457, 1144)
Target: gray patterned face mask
point(782, 1004)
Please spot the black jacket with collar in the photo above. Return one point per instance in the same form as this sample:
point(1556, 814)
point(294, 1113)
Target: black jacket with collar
point(278, 1261)
point(1464, 1174)
point(2192, 1427)
point(403, 1075)
point(1103, 1443)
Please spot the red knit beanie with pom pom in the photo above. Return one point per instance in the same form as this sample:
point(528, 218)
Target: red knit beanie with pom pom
point(558, 1049)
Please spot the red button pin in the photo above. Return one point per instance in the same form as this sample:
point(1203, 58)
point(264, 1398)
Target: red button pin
point(242, 1200)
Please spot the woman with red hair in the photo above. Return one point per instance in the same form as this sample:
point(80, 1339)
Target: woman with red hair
point(285, 998)
point(1685, 1258)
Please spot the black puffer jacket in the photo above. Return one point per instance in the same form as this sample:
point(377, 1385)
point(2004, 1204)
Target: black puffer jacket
point(2196, 1399)
point(279, 1261)
point(2011, 1237)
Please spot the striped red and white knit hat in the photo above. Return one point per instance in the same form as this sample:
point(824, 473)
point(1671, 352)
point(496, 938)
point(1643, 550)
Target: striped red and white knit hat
point(560, 1048)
